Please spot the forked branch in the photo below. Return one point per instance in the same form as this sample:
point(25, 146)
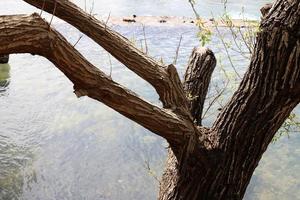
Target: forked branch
point(167, 85)
point(31, 34)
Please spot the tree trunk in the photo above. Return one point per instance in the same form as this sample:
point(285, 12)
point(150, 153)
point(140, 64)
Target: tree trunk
point(184, 168)
point(187, 176)
point(203, 163)
point(268, 93)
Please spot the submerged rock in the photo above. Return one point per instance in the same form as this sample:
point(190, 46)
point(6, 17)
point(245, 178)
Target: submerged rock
point(4, 59)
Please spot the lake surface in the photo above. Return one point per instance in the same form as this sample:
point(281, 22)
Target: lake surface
point(55, 146)
point(206, 8)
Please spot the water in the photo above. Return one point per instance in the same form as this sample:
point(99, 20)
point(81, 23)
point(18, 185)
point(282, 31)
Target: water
point(55, 146)
point(206, 8)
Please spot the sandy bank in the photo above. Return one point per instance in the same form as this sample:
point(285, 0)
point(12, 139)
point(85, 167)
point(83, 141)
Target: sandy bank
point(172, 21)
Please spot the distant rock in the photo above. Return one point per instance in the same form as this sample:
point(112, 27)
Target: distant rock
point(129, 20)
point(176, 21)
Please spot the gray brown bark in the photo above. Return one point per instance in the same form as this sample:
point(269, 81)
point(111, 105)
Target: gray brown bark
point(163, 78)
point(204, 163)
point(184, 170)
point(268, 93)
point(32, 34)
point(198, 74)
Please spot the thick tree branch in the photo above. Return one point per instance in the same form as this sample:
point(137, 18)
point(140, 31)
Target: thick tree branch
point(31, 34)
point(265, 97)
point(163, 78)
point(201, 65)
point(273, 78)
point(265, 9)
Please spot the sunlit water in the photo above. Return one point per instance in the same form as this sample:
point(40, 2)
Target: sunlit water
point(206, 8)
point(55, 146)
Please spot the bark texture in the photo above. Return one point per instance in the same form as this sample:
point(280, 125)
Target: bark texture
point(268, 93)
point(265, 98)
point(31, 34)
point(185, 173)
point(204, 163)
point(201, 65)
point(163, 78)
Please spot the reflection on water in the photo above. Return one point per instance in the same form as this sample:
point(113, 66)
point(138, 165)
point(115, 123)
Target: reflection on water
point(4, 77)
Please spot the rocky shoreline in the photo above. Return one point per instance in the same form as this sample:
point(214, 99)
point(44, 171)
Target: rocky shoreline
point(174, 21)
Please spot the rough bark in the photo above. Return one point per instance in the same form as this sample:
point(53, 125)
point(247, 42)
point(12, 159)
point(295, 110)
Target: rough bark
point(265, 98)
point(204, 163)
point(265, 9)
point(31, 34)
point(200, 67)
point(164, 79)
point(184, 176)
point(268, 93)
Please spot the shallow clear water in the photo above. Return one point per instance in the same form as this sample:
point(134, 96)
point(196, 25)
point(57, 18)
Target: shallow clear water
point(55, 146)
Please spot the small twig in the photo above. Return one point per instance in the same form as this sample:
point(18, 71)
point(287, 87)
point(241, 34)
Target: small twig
point(107, 20)
point(161, 60)
point(177, 50)
point(148, 168)
point(55, 4)
point(245, 41)
point(227, 52)
point(146, 164)
point(78, 40)
point(145, 39)
point(224, 44)
point(110, 65)
point(142, 49)
point(43, 8)
point(248, 45)
point(194, 10)
point(234, 36)
point(219, 94)
point(92, 8)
